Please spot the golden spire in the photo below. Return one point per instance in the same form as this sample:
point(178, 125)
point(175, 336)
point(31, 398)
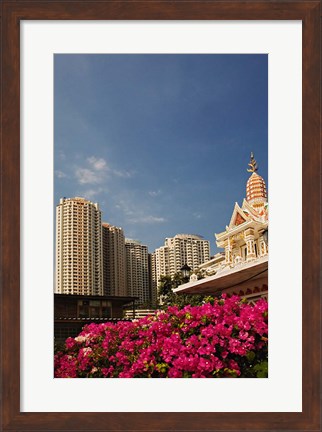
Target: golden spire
point(252, 164)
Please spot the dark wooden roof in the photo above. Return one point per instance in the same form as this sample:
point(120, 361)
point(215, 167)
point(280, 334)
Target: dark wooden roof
point(95, 297)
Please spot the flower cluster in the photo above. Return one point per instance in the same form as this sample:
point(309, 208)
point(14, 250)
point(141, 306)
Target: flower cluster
point(224, 338)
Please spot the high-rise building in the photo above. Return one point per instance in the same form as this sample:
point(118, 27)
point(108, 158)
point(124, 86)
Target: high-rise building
point(137, 273)
point(78, 247)
point(114, 260)
point(179, 250)
point(152, 280)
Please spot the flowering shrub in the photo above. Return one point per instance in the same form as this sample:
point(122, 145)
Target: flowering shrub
point(224, 338)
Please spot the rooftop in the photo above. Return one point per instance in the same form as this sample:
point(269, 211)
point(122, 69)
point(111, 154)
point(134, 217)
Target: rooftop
point(226, 278)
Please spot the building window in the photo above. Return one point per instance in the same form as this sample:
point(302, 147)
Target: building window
point(245, 252)
point(94, 311)
point(106, 312)
point(83, 311)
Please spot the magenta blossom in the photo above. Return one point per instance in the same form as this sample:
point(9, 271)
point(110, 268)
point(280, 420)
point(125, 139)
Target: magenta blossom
point(228, 338)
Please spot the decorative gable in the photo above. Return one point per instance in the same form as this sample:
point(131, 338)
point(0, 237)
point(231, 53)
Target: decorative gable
point(238, 217)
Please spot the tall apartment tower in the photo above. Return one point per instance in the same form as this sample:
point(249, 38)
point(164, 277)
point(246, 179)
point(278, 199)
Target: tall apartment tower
point(137, 273)
point(152, 280)
point(78, 247)
point(114, 260)
point(179, 250)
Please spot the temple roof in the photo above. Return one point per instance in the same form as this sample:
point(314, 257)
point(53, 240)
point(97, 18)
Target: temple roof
point(238, 217)
point(227, 278)
point(254, 210)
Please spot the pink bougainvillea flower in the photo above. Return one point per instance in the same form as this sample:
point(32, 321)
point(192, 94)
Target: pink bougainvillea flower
point(224, 338)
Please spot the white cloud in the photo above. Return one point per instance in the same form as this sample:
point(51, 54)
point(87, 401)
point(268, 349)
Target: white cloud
point(124, 174)
point(94, 173)
point(147, 219)
point(154, 193)
point(97, 170)
point(98, 164)
point(60, 174)
point(90, 194)
point(135, 214)
point(87, 176)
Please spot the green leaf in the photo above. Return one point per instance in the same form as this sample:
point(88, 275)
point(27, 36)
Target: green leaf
point(261, 369)
point(250, 356)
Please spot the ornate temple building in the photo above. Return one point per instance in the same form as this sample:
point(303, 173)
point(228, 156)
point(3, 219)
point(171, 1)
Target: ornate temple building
point(243, 268)
point(243, 239)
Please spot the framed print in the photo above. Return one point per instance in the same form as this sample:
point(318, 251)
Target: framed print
point(92, 167)
point(55, 42)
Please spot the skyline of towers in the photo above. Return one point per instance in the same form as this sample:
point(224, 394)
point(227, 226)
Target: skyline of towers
point(95, 258)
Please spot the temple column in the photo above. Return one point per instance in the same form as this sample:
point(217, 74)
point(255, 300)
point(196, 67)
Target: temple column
point(250, 243)
point(228, 252)
point(262, 246)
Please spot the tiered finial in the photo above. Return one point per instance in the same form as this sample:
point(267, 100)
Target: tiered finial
point(252, 164)
point(256, 193)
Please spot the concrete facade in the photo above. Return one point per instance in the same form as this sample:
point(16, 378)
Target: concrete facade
point(78, 247)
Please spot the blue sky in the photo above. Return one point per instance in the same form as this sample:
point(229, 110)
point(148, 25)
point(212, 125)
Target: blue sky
point(161, 142)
